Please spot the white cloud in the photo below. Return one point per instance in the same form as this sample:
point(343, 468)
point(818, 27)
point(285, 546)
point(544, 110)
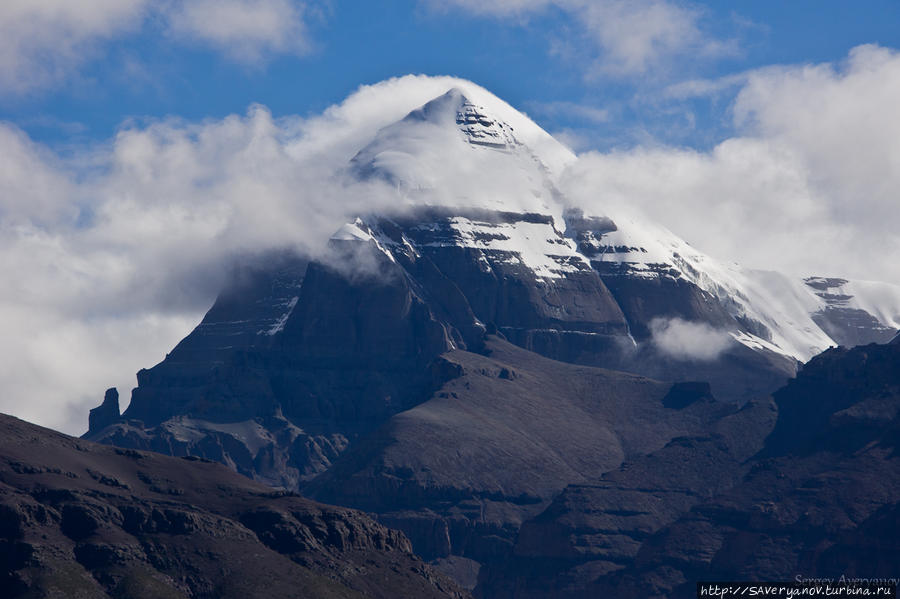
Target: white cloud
point(41, 41)
point(574, 110)
point(44, 42)
point(107, 269)
point(685, 340)
point(629, 37)
point(699, 88)
point(44, 195)
point(637, 36)
point(810, 186)
point(248, 31)
point(842, 120)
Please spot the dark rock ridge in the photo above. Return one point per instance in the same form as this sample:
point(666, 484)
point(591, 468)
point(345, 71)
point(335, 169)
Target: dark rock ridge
point(595, 528)
point(819, 500)
point(106, 413)
point(79, 519)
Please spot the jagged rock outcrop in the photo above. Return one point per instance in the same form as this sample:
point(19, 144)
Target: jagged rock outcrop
point(106, 413)
point(79, 519)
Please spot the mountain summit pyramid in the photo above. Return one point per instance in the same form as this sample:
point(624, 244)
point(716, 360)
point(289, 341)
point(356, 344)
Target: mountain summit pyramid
point(459, 153)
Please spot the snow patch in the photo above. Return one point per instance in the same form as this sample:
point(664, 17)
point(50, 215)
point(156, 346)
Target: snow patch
point(279, 324)
point(537, 246)
point(351, 232)
point(249, 432)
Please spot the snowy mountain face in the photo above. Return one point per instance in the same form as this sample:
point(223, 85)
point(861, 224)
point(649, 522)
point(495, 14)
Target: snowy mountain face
point(797, 318)
point(456, 153)
point(856, 312)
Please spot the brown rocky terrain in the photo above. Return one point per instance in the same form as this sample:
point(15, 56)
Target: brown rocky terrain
point(492, 448)
point(82, 520)
point(819, 499)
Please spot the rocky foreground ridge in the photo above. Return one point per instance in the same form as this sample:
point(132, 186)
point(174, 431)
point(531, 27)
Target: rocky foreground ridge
point(82, 520)
point(820, 498)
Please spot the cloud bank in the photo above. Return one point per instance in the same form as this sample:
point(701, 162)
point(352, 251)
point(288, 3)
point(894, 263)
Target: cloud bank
point(810, 185)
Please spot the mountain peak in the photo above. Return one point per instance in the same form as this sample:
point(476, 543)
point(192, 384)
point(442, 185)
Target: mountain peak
point(482, 130)
point(476, 123)
point(455, 151)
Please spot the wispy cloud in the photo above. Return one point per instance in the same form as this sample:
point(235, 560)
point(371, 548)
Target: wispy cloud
point(41, 41)
point(571, 110)
point(627, 37)
point(247, 31)
point(685, 340)
point(44, 42)
point(705, 88)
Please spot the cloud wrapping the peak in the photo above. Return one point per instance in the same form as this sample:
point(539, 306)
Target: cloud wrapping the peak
point(109, 262)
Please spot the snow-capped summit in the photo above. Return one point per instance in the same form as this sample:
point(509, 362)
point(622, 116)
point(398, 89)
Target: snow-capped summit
point(467, 157)
point(455, 151)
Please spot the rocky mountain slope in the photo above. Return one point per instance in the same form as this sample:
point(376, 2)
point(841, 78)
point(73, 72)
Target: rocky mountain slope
point(819, 499)
point(79, 519)
point(461, 471)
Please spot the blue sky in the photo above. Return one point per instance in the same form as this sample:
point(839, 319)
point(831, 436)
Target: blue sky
point(146, 143)
point(142, 70)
